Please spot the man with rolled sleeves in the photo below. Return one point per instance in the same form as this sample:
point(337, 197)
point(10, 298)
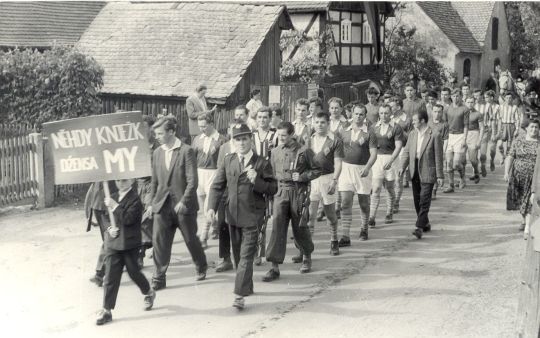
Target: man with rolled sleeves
point(174, 201)
point(248, 179)
point(293, 169)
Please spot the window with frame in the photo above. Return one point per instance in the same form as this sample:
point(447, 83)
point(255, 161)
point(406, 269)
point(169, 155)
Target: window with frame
point(367, 37)
point(494, 33)
point(346, 31)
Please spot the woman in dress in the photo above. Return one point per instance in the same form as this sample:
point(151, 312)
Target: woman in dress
point(519, 172)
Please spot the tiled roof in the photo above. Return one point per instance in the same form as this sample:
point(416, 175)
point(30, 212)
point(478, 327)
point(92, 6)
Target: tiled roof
point(452, 25)
point(40, 23)
point(306, 6)
point(167, 49)
point(476, 15)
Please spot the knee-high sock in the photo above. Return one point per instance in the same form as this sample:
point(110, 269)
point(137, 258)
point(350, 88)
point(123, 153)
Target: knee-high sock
point(374, 205)
point(399, 187)
point(451, 177)
point(364, 212)
point(346, 220)
point(390, 198)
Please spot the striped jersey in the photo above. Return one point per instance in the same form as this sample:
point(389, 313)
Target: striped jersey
point(490, 112)
point(508, 113)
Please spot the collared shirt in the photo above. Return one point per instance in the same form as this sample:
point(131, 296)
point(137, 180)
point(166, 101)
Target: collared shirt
point(121, 196)
point(264, 145)
point(326, 150)
point(254, 105)
point(337, 126)
point(405, 122)
point(421, 136)
point(302, 130)
point(169, 152)
point(246, 157)
point(387, 135)
point(357, 144)
point(207, 140)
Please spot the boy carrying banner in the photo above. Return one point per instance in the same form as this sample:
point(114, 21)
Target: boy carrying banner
point(122, 243)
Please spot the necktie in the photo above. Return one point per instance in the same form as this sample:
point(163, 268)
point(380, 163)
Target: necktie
point(242, 164)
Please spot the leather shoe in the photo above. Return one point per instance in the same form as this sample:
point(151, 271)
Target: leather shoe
point(418, 233)
point(98, 280)
point(225, 265)
point(104, 316)
point(449, 189)
point(201, 276)
point(239, 302)
point(257, 261)
point(363, 235)
point(427, 228)
point(344, 241)
point(271, 275)
point(388, 219)
point(306, 265)
point(158, 285)
point(298, 258)
point(149, 300)
point(371, 222)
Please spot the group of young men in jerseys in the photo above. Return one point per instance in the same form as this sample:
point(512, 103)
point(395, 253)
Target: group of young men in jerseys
point(283, 171)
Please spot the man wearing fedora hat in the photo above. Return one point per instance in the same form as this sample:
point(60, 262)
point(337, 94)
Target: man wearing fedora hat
point(248, 179)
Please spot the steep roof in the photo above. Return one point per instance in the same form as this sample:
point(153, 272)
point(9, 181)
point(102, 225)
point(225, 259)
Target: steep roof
point(450, 22)
point(476, 15)
point(167, 49)
point(41, 23)
point(307, 6)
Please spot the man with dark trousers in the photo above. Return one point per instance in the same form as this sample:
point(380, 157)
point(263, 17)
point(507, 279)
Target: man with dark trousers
point(122, 243)
point(248, 179)
point(174, 200)
point(424, 153)
point(294, 168)
point(223, 228)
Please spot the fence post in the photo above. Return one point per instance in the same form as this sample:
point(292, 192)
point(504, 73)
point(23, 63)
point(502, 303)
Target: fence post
point(44, 172)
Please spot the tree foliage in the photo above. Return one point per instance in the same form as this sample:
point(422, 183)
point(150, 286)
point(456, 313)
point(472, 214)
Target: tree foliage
point(407, 58)
point(524, 26)
point(59, 83)
point(311, 63)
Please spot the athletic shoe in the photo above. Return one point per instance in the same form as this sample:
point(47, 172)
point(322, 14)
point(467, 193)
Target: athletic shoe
point(363, 235)
point(388, 219)
point(238, 302)
point(149, 300)
point(483, 170)
point(334, 248)
point(371, 222)
point(344, 241)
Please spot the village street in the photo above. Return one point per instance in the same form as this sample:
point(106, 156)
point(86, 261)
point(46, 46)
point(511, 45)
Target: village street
point(459, 281)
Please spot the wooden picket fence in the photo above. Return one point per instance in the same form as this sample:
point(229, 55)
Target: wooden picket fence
point(18, 165)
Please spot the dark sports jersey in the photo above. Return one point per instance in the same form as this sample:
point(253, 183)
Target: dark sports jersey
point(356, 144)
point(207, 149)
point(331, 148)
point(413, 106)
point(458, 119)
point(387, 142)
point(475, 118)
point(441, 128)
point(405, 122)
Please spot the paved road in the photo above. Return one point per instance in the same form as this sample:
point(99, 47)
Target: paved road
point(461, 280)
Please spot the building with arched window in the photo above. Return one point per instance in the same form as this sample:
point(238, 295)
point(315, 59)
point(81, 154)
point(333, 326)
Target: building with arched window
point(470, 38)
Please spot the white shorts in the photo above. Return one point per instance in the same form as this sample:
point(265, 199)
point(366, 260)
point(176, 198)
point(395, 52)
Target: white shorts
point(379, 172)
point(206, 177)
point(456, 143)
point(351, 179)
point(320, 187)
point(473, 136)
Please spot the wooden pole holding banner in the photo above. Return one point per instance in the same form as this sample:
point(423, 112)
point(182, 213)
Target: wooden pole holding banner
point(108, 195)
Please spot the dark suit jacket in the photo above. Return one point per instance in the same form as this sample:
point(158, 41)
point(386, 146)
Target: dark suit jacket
point(430, 164)
point(179, 182)
point(194, 109)
point(245, 202)
point(128, 215)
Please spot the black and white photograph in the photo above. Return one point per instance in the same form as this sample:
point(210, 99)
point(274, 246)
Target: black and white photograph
point(269, 169)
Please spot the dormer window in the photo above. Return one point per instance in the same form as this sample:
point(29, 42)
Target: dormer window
point(366, 38)
point(346, 31)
